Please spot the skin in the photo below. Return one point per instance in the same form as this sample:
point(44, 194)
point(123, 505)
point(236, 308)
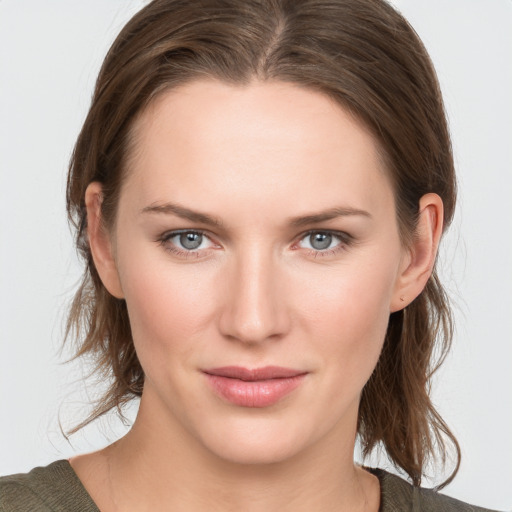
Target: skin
point(255, 293)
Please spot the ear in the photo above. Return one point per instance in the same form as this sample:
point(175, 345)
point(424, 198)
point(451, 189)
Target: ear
point(100, 241)
point(418, 261)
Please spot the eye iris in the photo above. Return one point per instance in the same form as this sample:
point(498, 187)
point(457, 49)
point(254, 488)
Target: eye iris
point(320, 241)
point(191, 240)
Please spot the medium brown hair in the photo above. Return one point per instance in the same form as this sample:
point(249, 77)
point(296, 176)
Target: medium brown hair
point(361, 53)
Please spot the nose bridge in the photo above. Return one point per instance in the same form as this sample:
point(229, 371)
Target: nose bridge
point(255, 309)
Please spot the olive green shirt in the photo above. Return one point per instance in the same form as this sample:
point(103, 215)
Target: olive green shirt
point(56, 488)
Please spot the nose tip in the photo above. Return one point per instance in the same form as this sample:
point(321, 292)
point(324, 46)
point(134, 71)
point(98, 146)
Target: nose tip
point(255, 309)
point(251, 331)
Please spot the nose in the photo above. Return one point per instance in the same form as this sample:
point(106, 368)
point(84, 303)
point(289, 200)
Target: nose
point(255, 306)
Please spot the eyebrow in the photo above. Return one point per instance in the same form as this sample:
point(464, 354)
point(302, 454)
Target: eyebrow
point(184, 213)
point(210, 220)
point(331, 213)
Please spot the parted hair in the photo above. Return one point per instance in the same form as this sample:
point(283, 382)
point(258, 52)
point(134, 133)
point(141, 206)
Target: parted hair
point(365, 56)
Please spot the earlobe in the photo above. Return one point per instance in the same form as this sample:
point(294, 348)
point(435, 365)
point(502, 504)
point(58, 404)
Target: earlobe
point(421, 255)
point(100, 242)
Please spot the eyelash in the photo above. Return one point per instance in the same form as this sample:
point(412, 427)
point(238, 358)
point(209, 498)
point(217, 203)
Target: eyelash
point(345, 241)
point(164, 241)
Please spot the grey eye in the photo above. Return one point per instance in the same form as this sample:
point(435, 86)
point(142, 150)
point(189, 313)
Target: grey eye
point(320, 241)
point(191, 240)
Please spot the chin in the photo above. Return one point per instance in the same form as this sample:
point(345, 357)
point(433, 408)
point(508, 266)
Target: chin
point(256, 442)
point(255, 453)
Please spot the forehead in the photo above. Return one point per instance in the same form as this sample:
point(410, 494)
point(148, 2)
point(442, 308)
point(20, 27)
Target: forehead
point(253, 144)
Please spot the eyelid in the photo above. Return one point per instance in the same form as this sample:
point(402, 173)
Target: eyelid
point(173, 232)
point(164, 241)
point(345, 240)
point(342, 235)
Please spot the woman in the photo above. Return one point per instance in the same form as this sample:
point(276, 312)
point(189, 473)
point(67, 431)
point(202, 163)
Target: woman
point(259, 192)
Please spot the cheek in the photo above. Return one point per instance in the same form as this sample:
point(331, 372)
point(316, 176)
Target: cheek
point(169, 307)
point(346, 312)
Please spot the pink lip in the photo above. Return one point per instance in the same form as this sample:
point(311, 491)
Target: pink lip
point(260, 387)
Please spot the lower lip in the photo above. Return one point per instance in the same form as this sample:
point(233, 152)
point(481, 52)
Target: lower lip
point(259, 393)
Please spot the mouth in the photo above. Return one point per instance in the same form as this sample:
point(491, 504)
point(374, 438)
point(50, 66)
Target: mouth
point(259, 387)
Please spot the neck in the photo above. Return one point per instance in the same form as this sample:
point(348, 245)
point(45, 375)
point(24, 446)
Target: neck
point(157, 463)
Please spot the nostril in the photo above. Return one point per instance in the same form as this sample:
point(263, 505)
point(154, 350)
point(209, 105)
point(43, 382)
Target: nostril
point(254, 308)
point(251, 323)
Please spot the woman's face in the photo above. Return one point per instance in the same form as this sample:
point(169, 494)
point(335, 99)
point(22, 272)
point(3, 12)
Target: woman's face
point(256, 230)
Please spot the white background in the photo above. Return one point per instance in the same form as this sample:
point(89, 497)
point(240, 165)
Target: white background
point(50, 52)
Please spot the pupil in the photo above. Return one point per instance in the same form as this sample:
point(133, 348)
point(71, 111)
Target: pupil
point(320, 241)
point(191, 240)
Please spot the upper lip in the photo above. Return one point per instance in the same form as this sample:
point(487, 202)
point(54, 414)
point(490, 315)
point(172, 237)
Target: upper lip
point(255, 374)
